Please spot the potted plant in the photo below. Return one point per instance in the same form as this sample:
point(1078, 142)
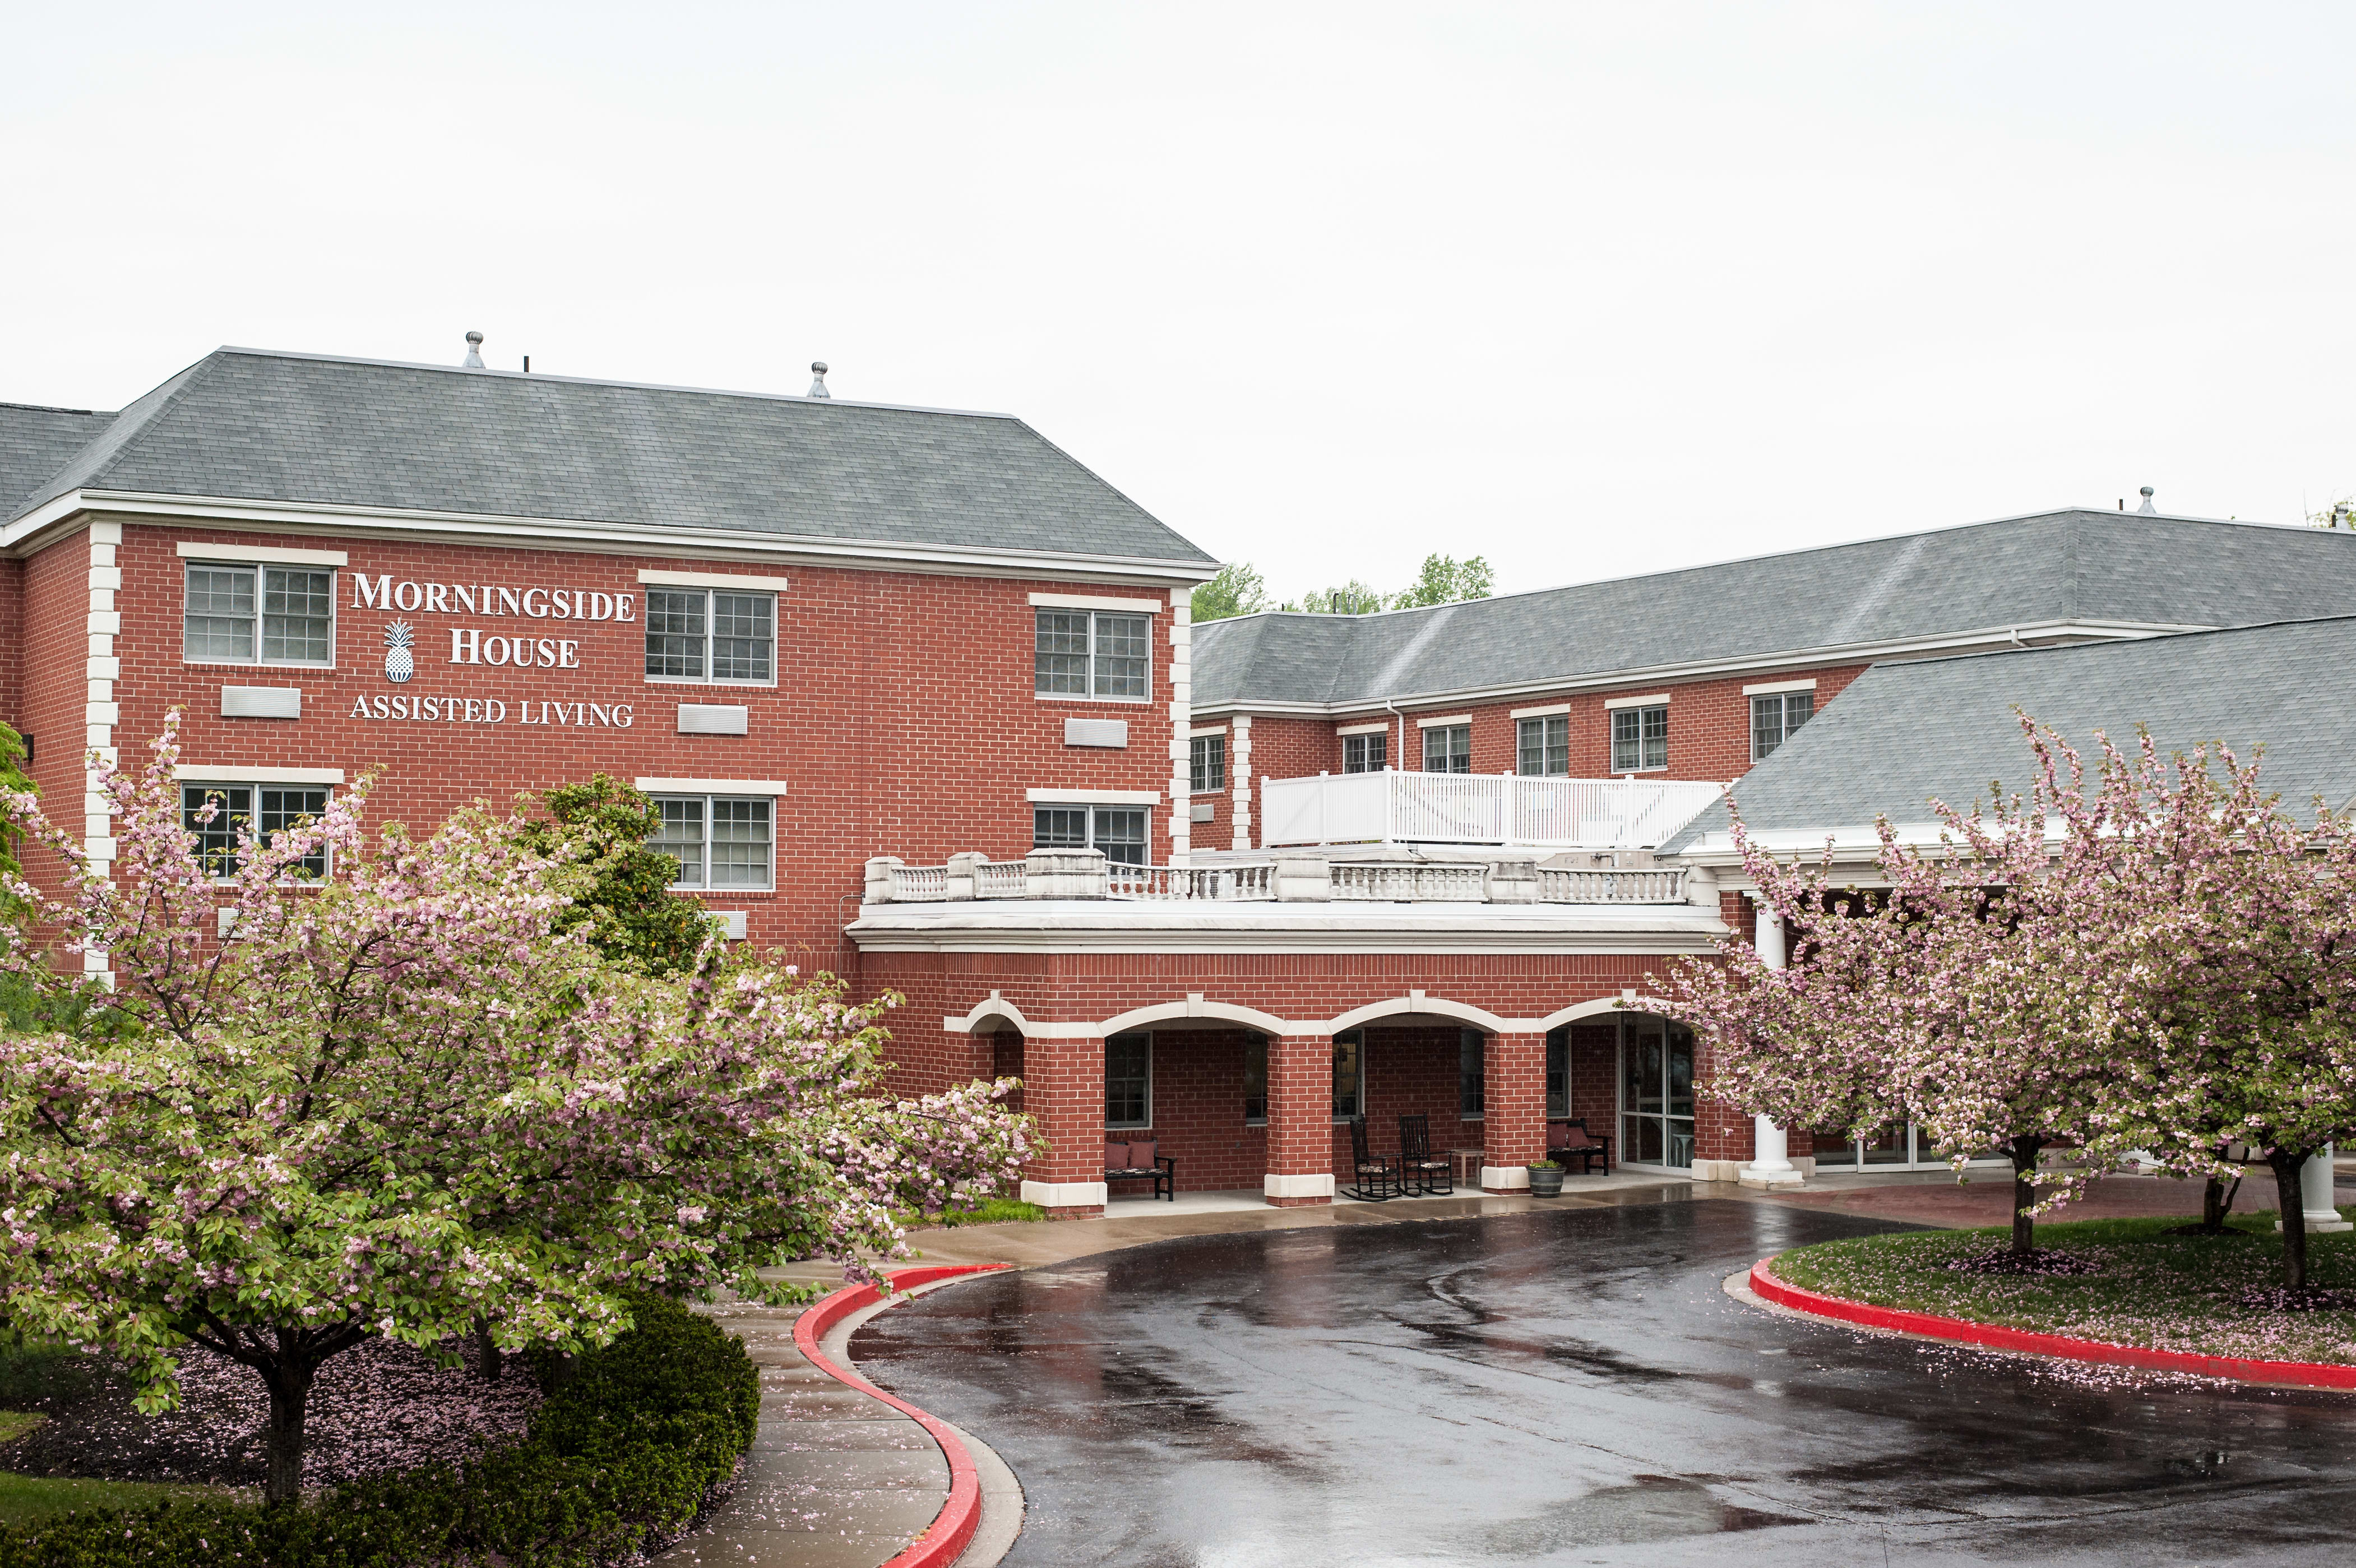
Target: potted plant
point(1545, 1179)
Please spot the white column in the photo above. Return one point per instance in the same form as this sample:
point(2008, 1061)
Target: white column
point(101, 668)
point(1239, 802)
point(1770, 1153)
point(1182, 723)
point(2315, 1194)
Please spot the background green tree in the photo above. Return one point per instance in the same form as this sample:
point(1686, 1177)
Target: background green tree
point(1238, 590)
point(1235, 591)
point(597, 832)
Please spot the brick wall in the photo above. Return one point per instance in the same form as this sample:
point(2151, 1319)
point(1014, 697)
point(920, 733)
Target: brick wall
point(904, 719)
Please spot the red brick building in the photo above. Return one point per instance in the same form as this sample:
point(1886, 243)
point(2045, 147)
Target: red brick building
point(920, 698)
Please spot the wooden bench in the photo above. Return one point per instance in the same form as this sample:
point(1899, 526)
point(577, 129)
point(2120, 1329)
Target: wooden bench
point(1567, 1141)
point(1143, 1160)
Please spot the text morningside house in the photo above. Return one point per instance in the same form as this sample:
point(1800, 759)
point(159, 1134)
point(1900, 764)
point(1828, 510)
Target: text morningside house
point(918, 698)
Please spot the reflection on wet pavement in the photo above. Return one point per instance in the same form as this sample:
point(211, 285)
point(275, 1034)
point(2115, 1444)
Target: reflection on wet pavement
point(1575, 1387)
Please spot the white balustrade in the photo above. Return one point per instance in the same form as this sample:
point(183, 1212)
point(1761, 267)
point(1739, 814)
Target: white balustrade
point(1643, 886)
point(1483, 808)
point(1375, 881)
point(920, 884)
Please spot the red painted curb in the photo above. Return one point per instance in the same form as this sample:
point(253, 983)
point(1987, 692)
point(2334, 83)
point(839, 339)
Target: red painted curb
point(1993, 1337)
point(953, 1527)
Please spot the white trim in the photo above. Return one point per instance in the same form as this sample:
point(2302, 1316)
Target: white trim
point(599, 537)
point(1194, 1006)
point(1199, 731)
point(1769, 688)
point(1093, 797)
point(1065, 1194)
point(202, 773)
point(712, 786)
point(236, 554)
point(1415, 1003)
point(1549, 711)
point(1588, 1009)
point(1457, 721)
point(992, 1007)
point(1275, 1185)
point(1084, 602)
point(1652, 699)
point(1362, 729)
point(662, 579)
point(1504, 1178)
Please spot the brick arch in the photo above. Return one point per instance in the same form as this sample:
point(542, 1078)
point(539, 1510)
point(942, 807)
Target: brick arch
point(1425, 1006)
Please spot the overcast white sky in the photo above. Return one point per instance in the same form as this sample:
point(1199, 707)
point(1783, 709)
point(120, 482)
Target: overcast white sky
point(1589, 289)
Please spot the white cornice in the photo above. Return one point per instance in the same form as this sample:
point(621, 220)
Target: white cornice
point(2042, 634)
point(1090, 927)
point(58, 517)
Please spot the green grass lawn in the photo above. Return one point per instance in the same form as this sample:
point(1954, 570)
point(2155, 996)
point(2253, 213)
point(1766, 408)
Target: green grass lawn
point(2169, 1292)
point(29, 1497)
point(996, 1211)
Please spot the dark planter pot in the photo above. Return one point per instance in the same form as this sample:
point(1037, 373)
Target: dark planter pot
point(1546, 1183)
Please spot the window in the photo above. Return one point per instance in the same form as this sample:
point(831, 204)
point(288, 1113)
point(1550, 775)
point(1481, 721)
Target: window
point(217, 814)
point(1449, 749)
point(719, 840)
point(711, 634)
point(1543, 749)
point(1776, 718)
point(1091, 654)
point(1471, 1074)
point(1119, 830)
point(288, 612)
point(1129, 1081)
point(1640, 739)
point(1349, 1074)
point(1559, 1072)
point(1364, 753)
point(1255, 1080)
point(1206, 766)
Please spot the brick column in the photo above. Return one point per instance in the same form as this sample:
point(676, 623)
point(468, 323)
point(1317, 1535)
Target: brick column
point(1513, 1129)
point(1300, 1121)
point(1063, 1089)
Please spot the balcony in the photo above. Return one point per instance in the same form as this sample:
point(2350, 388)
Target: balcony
point(1503, 810)
point(1085, 875)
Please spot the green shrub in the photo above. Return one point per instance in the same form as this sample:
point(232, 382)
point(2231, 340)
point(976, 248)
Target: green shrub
point(623, 1451)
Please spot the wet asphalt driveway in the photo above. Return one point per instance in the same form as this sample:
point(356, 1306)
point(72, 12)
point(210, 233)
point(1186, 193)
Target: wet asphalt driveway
point(1576, 1387)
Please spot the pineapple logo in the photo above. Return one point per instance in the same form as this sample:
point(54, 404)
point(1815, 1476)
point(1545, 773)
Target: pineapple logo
point(399, 664)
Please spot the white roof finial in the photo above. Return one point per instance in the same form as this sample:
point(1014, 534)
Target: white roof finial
point(474, 361)
point(2146, 509)
point(817, 378)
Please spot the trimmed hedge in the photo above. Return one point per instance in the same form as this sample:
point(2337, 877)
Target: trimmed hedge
point(623, 1451)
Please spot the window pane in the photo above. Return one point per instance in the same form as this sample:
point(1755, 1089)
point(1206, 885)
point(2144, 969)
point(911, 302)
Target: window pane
point(1059, 827)
point(1448, 749)
point(740, 843)
point(1656, 737)
point(213, 814)
point(1123, 644)
point(1766, 726)
point(1559, 1072)
point(1059, 661)
point(1206, 768)
point(1349, 1071)
point(282, 809)
point(681, 836)
point(219, 621)
point(297, 609)
point(1254, 1079)
point(1558, 745)
point(1471, 1072)
point(1799, 707)
point(1120, 833)
point(1529, 747)
point(675, 632)
point(742, 636)
point(1364, 753)
point(1129, 1081)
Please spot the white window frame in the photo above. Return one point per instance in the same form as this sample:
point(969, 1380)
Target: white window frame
point(1784, 727)
point(1146, 1126)
point(1196, 746)
point(1365, 741)
point(1359, 1041)
point(1095, 614)
point(706, 802)
point(254, 811)
point(1558, 722)
point(1088, 810)
point(1444, 732)
point(229, 561)
point(1638, 715)
point(708, 589)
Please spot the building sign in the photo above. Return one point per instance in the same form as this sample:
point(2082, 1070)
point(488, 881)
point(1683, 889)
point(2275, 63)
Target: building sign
point(475, 645)
point(485, 599)
point(418, 708)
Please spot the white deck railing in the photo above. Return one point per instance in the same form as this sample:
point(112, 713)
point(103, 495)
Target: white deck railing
point(1478, 807)
point(1086, 874)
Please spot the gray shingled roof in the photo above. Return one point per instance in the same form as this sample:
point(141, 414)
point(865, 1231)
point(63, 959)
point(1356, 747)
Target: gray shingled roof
point(35, 442)
point(1902, 733)
point(249, 426)
point(2060, 566)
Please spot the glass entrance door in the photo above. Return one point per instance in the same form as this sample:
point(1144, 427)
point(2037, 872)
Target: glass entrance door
point(1657, 1096)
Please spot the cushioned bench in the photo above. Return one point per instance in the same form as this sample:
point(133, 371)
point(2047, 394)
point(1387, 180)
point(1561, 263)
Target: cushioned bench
point(1142, 1161)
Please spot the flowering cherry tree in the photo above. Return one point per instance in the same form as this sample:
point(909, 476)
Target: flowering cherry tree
point(397, 1098)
